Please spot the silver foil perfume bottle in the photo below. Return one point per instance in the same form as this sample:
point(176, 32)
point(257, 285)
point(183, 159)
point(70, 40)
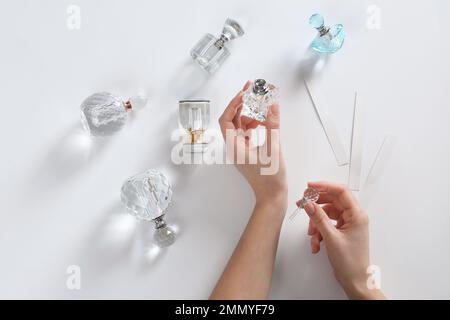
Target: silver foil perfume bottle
point(258, 98)
point(147, 196)
point(211, 52)
point(194, 117)
point(310, 195)
point(103, 113)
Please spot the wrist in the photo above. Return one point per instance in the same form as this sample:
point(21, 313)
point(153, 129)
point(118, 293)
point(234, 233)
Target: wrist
point(358, 290)
point(276, 200)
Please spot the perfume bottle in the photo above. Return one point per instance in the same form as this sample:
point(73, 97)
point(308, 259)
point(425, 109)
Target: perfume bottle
point(103, 113)
point(258, 98)
point(211, 52)
point(194, 118)
point(147, 196)
point(310, 195)
point(329, 39)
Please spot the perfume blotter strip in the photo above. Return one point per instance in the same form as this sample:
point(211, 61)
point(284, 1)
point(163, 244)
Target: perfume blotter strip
point(320, 102)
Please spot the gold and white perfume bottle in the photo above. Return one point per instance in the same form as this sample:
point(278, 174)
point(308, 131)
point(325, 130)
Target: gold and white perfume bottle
point(194, 117)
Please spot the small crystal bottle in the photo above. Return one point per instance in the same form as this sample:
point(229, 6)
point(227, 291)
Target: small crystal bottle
point(147, 196)
point(258, 98)
point(329, 39)
point(310, 195)
point(103, 113)
point(211, 52)
point(194, 117)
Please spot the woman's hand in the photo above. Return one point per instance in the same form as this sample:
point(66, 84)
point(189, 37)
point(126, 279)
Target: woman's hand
point(248, 274)
point(347, 242)
point(263, 167)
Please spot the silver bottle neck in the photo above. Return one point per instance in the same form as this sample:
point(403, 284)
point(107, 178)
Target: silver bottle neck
point(323, 30)
point(259, 87)
point(159, 222)
point(220, 43)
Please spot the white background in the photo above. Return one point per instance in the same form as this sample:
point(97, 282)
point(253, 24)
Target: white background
point(60, 191)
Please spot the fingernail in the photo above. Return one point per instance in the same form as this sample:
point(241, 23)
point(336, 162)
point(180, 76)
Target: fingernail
point(309, 208)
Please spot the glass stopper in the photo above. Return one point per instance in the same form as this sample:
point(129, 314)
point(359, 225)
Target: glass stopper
point(309, 195)
point(317, 21)
point(163, 236)
point(232, 29)
point(138, 102)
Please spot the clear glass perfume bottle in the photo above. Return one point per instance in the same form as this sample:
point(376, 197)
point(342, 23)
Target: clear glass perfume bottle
point(258, 98)
point(103, 113)
point(147, 196)
point(211, 52)
point(329, 39)
point(310, 195)
point(194, 117)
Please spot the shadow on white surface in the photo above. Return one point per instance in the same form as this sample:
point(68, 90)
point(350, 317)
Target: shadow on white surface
point(72, 152)
point(119, 238)
point(188, 80)
point(110, 241)
point(311, 63)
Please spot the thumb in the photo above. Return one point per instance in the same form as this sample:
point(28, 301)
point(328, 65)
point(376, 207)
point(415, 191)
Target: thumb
point(320, 219)
point(273, 117)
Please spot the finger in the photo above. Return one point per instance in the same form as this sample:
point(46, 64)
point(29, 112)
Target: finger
point(253, 124)
point(311, 228)
point(273, 117)
point(272, 125)
point(340, 193)
point(237, 118)
point(315, 245)
point(325, 198)
point(321, 220)
point(331, 211)
point(247, 85)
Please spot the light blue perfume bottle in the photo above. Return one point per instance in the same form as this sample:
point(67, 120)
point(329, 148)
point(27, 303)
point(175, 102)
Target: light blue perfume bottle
point(329, 39)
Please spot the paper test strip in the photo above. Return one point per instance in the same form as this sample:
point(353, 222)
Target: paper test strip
point(354, 177)
point(321, 105)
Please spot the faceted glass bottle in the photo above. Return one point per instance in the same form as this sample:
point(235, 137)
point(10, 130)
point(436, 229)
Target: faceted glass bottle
point(103, 113)
point(194, 117)
point(147, 196)
point(329, 39)
point(211, 52)
point(257, 100)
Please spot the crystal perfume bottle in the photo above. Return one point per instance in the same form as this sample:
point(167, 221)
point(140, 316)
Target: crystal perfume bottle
point(194, 117)
point(211, 52)
point(147, 196)
point(103, 113)
point(310, 195)
point(258, 98)
point(329, 39)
